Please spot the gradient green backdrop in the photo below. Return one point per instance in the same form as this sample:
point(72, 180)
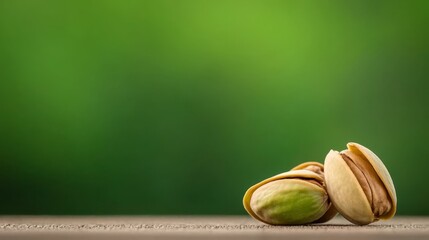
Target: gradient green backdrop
point(177, 107)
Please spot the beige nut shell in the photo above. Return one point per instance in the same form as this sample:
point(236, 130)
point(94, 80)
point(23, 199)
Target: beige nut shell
point(291, 174)
point(345, 191)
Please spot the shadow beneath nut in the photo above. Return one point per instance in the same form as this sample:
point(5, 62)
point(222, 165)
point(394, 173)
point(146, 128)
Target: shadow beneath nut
point(350, 225)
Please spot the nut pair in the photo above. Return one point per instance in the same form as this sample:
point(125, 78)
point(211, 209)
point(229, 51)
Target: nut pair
point(353, 182)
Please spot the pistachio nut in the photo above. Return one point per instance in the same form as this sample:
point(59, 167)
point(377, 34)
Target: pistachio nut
point(294, 197)
point(359, 185)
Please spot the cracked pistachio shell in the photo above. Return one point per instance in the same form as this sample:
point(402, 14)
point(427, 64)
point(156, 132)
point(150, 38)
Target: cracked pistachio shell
point(294, 197)
point(359, 185)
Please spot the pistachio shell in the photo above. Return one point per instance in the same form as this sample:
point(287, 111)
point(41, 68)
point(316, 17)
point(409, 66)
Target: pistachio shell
point(289, 201)
point(349, 196)
point(293, 197)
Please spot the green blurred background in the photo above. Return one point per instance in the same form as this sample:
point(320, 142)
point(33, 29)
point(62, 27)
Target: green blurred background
point(177, 107)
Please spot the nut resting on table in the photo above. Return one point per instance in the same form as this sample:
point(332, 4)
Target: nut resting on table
point(353, 182)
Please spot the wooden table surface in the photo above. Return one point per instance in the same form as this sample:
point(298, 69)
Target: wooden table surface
point(201, 227)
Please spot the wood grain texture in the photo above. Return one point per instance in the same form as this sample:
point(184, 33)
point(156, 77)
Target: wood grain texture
point(201, 227)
